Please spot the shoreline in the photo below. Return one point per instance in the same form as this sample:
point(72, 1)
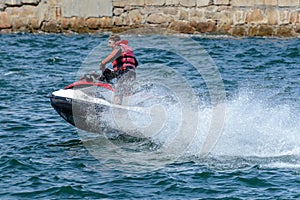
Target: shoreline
point(213, 36)
point(243, 18)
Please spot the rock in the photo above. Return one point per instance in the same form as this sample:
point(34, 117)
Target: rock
point(74, 24)
point(255, 17)
point(252, 31)
point(202, 3)
point(2, 6)
point(135, 17)
point(4, 20)
point(184, 14)
point(188, 3)
point(93, 23)
point(27, 11)
point(172, 2)
point(294, 18)
point(297, 29)
point(272, 16)
point(285, 30)
point(31, 2)
point(270, 2)
point(118, 11)
point(65, 23)
point(284, 17)
point(223, 28)
point(170, 10)
point(221, 2)
point(13, 2)
point(265, 30)
point(288, 3)
point(137, 2)
point(34, 23)
point(156, 18)
point(106, 22)
point(239, 30)
point(204, 27)
point(239, 17)
point(242, 3)
point(155, 2)
point(119, 3)
point(118, 21)
point(51, 27)
point(182, 27)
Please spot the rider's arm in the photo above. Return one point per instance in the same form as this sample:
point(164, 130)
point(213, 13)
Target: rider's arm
point(111, 57)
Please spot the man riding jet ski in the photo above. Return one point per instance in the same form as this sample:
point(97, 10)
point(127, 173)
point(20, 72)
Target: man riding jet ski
point(124, 65)
point(78, 102)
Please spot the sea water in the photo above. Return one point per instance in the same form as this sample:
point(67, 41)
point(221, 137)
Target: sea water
point(248, 116)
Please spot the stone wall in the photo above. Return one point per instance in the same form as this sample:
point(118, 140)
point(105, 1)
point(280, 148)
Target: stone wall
point(233, 17)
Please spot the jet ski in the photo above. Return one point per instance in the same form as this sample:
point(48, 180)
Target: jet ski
point(88, 104)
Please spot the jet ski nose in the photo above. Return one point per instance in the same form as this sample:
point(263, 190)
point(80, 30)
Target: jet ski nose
point(50, 95)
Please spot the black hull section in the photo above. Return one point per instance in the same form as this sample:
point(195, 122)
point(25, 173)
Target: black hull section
point(85, 116)
point(63, 106)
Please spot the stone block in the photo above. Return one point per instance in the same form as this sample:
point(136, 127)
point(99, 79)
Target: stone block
point(226, 18)
point(258, 2)
point(197, 12)
point(271, 2)
point(182, 27)
point(65, 23)
point(202, 3)
point(288, 3)
point(20, 23)
point(223, 28)
point(91, 8)
point(12, 11)
point(31, 2)
point(27, 11)
point(120, 3)
point(221, 2)
point(170, 10)
point(239, 31)
point(4, 20)
point(242, 3)
point(172, 2)
point(285, 30)
point(51, 27)
point(35, 23)
point(239, 17)
point(13, 2)
point(135, 17)
point(294, 17)
point(136, 2)
point(118, 11)
point(106, 22)
point(256, 16)
point(272, 16)
point(265, 30)
point(297, 28)
point(252, 31)
point(205, 27)
point(73, 23)
point(184, 14)
point(156, 18)
point(284, 17)
point(118, 21)
point(187, 3)
point(2, 6)
point(155, 2)
point(93, 23)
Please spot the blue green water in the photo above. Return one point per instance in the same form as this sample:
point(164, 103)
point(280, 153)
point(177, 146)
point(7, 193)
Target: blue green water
point(256, 157)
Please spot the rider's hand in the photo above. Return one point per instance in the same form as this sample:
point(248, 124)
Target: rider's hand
point(102, 67)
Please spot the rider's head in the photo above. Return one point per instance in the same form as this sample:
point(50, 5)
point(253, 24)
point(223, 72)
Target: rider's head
point(113, 39)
